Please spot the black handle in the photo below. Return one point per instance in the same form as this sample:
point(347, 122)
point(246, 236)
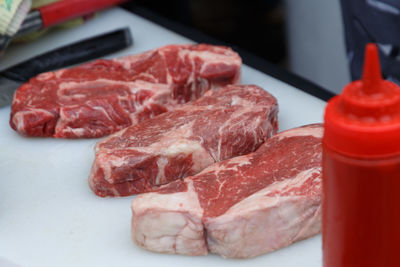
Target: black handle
point(78, 52)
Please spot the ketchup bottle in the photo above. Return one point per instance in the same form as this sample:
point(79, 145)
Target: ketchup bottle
point(361, 172)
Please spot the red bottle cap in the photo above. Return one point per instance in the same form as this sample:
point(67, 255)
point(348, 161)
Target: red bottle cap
point(364, 121)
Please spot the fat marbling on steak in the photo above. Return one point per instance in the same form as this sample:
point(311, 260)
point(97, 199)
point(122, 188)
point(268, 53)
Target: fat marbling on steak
point(232, 121)
point(101, 97)
point(241, 207)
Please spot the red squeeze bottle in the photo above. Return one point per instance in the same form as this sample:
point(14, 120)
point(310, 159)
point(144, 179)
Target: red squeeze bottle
point(361, 172)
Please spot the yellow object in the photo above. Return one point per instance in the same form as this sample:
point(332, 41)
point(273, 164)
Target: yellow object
point(35, 35)
point(39, 3)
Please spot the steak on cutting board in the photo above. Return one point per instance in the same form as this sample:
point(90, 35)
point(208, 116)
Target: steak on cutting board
point(241, 207)
point(101, 97)
point(232, 121)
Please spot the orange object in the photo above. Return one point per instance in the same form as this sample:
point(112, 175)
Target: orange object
point(361, 172)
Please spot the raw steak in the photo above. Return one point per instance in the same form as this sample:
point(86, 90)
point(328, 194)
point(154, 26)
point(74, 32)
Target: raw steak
point(104, 96)
point(232, 121)
point(241, 207)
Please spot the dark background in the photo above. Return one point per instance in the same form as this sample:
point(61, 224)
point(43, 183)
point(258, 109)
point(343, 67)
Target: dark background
point(254, 25)
point(253, 28)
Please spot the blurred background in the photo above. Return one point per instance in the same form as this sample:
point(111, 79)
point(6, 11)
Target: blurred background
point(302, 36)
point(305, 37)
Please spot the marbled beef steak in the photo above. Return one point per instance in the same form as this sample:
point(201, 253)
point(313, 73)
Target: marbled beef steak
point(232, 121)
point(241, 207)
point(101, 97)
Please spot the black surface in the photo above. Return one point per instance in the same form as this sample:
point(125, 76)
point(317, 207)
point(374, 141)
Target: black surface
point(248, 58)
point(78, 52)
point(258, 27)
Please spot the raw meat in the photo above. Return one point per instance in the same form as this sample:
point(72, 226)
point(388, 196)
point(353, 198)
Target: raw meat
point(232, 121)
point(241, 207)
point(104, 96)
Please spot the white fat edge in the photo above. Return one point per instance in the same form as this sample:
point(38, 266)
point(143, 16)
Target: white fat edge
point(245, 106)
point(93, 179)
point(63, 119)
point(108, 162)
point(296, 217)
point(134, 115)
point(50, 75)
point(173, 148)
point(45, 76)
point(283, 220)
point(71, 84)
point(314, 130)
point(127, 61)
point(170, 148)
point(126, 64)
point(273, 116)
point(201, 158)
point(180, 201)
point(243, 101)
point(183, 131)
point(211, 57)
point(58, 73)
point(63, 86)
point(260, 199)
point(256, 122)
point(139, 85)
point(153, 79)
point(203, 83)
point(230, 164)
point(169, 76)
point(177, 142)
point(170, 221)
point(173, 144)
point(67, 85)
point(181, 146)
point(236, 100)
point(159, 90)
point(134, 87)
point(139, 109)
point(60, 127)
point(240, 161)
point(18, 118)
point(193, 85)
point(161, 163)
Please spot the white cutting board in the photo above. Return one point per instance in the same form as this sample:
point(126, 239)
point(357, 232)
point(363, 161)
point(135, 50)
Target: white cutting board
point(48, 215)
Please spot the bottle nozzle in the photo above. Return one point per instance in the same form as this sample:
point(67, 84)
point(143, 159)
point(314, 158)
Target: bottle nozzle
point(365, 119)
point(372, 76)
